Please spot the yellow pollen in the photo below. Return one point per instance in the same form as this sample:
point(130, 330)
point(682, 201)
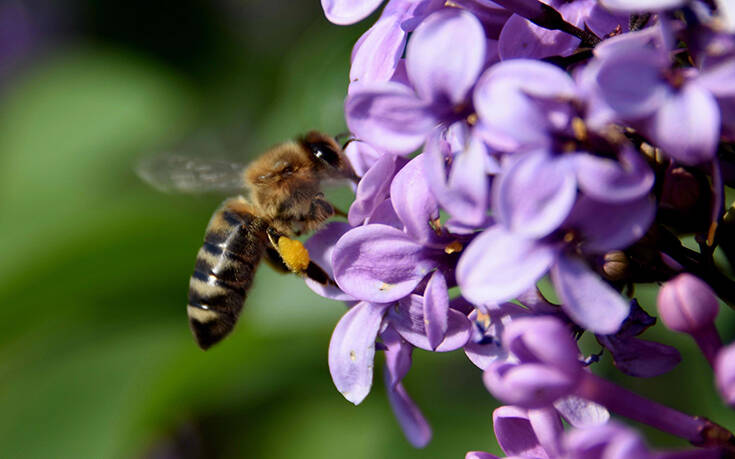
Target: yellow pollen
point(436, 225)
point(483, 318)
point(472, 119)
point(569, 147)
point(453, 247)
point(384, 286)
point(294, 254)
point(569, 237)
point(353, 356)
point(579, 129)
point(450, 3)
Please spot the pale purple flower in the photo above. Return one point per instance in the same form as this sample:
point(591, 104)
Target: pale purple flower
point(462, 188)
point(547, 367)
point(443, 59)
point(499, 265)
point(376, 54)
point(381, 263)
point(631, 80)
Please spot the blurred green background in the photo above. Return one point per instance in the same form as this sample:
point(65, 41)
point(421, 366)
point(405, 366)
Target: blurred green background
point(96, 358)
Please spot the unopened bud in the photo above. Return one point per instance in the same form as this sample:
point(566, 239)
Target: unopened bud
point(615, 265)
point(725, 374)
point(680, 189)
point(686, 304)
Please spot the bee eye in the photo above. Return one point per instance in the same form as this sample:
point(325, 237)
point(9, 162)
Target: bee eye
point(325, 152)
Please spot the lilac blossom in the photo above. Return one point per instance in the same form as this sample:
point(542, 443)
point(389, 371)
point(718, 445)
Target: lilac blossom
point(443, 59)
point(501, 142)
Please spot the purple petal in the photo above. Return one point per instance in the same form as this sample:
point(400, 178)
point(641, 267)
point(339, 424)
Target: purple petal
point(372, 189)
point(509, 85)
point(480, 455)
point(467, 199)
point(397, 356)
point(581, 413)
point(602, 22)
point(352, 349)
point(520, 38)
point(464, 194)
point(609, 440)
point(389, 116)
point(718, 79)
point(379, 263)
point(345, 12)
point(528, 385)
point(514, 432)
point(386, 215)
point(641, 358)
point(412, 421)
point(498, 265)
point(362, 156)
point(535, 194)
point(687, 127)
point(624, 223)
point(630, 81)
point(436, 309)
point(532, 77)
point(634, 6)
point(414, 203)
point(445, 55)
point(488, 348)
point(548, 428)
point(408, 320)
point(607, 180)
point(376, 54)
point(321, 247)
point(543, 339)
point(587, 299)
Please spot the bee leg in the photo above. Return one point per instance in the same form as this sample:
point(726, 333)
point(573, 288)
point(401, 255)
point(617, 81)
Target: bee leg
point(290, 255)
point(339, 212)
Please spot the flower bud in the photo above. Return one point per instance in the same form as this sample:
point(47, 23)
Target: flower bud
point(686, 304)
point(725, 373)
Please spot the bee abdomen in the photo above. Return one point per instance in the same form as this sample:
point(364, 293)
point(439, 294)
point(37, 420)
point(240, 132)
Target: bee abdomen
point(225, 267)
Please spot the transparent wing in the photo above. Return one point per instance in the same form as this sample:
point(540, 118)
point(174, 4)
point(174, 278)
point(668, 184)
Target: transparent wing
point(173, 173)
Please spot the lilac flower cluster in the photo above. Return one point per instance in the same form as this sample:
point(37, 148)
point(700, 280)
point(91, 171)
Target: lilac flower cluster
point(502, 142)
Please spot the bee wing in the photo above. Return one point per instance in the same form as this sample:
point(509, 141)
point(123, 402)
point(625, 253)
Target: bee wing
point(172, 173)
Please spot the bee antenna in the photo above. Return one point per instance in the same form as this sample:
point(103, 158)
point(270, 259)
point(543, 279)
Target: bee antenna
point(349, 141)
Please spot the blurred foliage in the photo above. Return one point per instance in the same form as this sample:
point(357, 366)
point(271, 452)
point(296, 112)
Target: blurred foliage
point(96, 359)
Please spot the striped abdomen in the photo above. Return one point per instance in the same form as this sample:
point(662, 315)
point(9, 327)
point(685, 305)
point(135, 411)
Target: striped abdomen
point(225, 266)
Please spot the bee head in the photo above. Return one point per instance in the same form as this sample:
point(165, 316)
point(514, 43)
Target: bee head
point(327, 155)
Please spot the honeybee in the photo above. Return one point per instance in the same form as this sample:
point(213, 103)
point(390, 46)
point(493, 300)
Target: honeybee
point(284, 199)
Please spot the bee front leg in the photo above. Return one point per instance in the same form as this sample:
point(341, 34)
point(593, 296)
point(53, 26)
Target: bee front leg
point(286, 254)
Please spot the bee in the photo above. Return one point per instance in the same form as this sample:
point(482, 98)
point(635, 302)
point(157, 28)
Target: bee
point(284, 199)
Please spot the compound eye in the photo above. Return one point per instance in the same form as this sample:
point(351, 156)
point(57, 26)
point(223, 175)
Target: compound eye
point(325, 152)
